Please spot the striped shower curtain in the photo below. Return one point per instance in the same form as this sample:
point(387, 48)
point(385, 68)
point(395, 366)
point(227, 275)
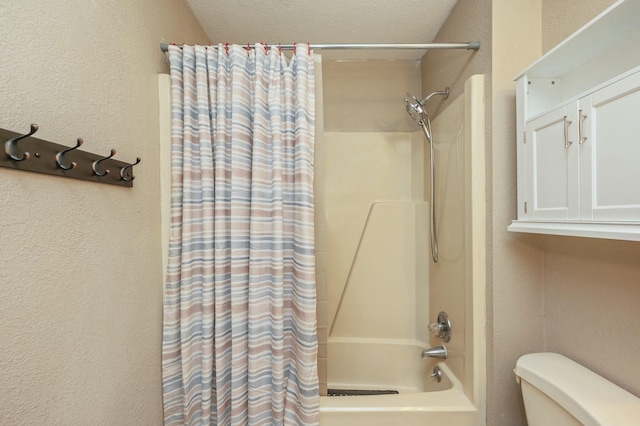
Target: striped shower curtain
point(239, 342)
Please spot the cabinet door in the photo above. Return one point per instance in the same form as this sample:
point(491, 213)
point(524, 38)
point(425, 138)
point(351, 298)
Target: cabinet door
point(610, 152)
point(552, 160)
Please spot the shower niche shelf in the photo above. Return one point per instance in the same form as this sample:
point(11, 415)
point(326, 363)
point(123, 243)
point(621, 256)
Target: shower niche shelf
point(577, 150)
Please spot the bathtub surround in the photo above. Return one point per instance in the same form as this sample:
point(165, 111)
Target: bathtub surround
point(371, 226)
point(379, 287)
point(80, 264)
point(457, 280)
point(320, 227)
point(239, 342)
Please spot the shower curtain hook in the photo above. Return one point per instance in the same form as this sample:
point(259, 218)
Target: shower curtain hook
point(128, 177)
point(248, 49)
point(279, 48)
point(294, 47)
point(95, 164)
point(11, 146)
point(226, 48)
point(60, 156)
point(309, 48)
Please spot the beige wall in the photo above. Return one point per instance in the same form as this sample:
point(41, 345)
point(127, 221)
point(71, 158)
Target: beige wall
point(592, 291)
point(80, 263)
point(517, 291)
point(561, 18)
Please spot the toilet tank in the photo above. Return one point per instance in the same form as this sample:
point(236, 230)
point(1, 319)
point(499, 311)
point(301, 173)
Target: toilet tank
point(560, 392)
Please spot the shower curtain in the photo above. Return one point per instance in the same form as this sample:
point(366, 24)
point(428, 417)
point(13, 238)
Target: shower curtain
point(239, 341)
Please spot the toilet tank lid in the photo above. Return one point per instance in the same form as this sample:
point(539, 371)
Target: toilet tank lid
point(587, 396)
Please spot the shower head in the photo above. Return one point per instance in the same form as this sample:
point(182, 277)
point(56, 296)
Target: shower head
point(416, 108)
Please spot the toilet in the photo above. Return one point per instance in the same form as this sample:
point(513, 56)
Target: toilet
point(560, 392)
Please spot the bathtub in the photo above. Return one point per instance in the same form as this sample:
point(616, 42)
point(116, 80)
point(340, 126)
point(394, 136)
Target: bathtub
point(368, 364)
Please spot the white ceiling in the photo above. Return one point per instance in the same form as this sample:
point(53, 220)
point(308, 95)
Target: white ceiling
point(329, 21)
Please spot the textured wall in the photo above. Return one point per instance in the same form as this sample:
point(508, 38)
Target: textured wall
point(80, 263)
point(592, 290)
point(561, 18)
point(517, 290)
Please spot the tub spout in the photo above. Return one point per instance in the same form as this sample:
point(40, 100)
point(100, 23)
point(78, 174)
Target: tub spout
point(435, 352)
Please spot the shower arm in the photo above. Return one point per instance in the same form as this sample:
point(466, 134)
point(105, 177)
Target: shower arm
point(444, 93)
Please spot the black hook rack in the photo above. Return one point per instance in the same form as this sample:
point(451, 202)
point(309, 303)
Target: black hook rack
point(24, 152)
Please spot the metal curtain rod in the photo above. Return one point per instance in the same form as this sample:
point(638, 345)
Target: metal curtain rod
point(472, 45)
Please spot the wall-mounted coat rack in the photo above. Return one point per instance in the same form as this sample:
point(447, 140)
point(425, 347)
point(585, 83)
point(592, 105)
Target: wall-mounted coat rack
point(24, 152)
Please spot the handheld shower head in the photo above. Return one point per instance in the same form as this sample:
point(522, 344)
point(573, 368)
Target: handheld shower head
point(416, 108)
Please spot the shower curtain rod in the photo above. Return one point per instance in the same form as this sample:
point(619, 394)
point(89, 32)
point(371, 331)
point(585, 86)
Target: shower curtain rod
point(471, 45)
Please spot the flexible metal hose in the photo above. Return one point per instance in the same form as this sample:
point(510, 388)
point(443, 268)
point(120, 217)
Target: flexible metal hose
point(426, 128)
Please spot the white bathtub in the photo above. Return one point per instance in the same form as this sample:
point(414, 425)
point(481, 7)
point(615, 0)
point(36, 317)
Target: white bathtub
point(391, 365)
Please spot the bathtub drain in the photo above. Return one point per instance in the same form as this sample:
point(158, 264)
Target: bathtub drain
point(359, 392)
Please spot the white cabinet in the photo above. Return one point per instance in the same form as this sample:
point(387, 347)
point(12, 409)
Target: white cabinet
point(552, 166)
point(578, 128)
point(610, 153)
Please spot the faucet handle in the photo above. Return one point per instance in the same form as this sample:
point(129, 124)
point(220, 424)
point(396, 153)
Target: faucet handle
point(441, 328)
point(435, 328)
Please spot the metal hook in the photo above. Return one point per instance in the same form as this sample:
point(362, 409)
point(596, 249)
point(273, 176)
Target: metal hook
point(123, 172)
point(60, 156)
point(96, 163)
point(11, 146)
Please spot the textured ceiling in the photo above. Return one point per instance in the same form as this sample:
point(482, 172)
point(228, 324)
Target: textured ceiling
point(329, 21)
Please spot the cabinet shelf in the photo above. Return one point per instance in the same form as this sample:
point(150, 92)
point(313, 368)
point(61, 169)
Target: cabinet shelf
point(601, 50)
point(577, 148)
point(613, 231)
